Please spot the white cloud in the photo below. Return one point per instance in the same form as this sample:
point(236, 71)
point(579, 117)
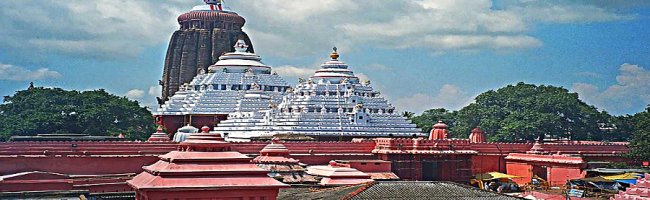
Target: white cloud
point(146, 97)
point(362, 77)
point(294, 72)
point(16, 73)
point(134, 94)
point(155, 91)
point(304, 27)
point(109, 28)
point(449, 96)
point(631, 93)
point(100, 28)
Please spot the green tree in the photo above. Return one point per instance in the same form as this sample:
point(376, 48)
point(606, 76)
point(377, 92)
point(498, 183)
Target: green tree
point(640, 143)
point(54, 110)
point(527, 111)
point(428, 118)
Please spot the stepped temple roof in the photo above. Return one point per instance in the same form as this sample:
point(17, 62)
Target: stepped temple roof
point(159, 136)
point(204, 168)
point(335, 175)
point(239, 81)
point(331, 103)
point(638, 191)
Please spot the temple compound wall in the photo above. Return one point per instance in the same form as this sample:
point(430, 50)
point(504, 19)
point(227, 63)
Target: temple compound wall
point(105, 166)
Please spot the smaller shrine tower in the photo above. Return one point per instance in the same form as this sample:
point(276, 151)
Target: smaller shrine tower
point(204, 168)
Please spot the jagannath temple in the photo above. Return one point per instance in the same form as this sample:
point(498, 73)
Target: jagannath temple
point(333, 104)
point(360, 146)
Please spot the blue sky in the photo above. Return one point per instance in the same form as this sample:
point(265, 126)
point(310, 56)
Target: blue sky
point(420, 54)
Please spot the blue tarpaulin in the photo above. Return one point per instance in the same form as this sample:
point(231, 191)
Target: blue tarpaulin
point(627, 181)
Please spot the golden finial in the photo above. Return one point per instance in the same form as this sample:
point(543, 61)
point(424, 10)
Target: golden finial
point(335, 54)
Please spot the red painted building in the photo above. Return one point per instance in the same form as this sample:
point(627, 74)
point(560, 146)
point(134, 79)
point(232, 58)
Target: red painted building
point(69, 164)
point(205, 169)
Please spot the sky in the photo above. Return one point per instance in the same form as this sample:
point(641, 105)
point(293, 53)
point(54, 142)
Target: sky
point(420, 54)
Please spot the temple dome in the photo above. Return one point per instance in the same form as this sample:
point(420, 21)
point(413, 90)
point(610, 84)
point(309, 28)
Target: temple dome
point(440, 125)
point(184, 132)
point(335, 71)
point(159, 136)
point(240, 61)
point(239, 81)
point(439, 131)
point(332, 104)
point(205, 141)
point(477, 135)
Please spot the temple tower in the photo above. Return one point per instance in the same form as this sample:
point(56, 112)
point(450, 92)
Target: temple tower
point(205, 33)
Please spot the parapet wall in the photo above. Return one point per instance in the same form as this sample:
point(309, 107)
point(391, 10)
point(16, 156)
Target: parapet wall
point(80, 158)
point(310, 147)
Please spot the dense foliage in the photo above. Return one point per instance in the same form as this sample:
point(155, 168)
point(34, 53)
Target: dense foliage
point(640, 143)
point(54, 110)
point(524, 112)
point(426, 120)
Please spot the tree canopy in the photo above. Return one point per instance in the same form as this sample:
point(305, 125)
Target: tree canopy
point(53, 110)
point(640, 143)
point(523, 112)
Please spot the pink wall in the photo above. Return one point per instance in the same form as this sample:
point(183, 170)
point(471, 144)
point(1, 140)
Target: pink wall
point(488, 163)
point(559, 175)
point(523, 170)
point(76, 165)
point(218, 194)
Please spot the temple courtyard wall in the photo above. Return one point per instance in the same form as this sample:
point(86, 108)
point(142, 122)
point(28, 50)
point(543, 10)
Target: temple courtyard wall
point(105, 166)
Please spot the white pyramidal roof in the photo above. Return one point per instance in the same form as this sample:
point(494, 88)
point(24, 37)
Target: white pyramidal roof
point(331, 103)
point(239, 81)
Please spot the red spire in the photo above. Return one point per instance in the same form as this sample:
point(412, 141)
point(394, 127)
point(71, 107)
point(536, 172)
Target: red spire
point(439, 131)
point(477, 135)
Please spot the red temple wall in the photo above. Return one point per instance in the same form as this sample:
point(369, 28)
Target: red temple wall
point(369, 167)
point(488, 163)
point(86, 165)
point(220, 194)
point(523, 170)
point(558, 175)
point(35, 185)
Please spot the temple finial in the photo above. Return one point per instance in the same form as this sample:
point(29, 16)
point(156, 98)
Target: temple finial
point(241, 46)
point(334, 55)
point(214, 4)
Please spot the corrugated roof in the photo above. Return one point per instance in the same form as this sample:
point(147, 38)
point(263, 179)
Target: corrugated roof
point(426, 190)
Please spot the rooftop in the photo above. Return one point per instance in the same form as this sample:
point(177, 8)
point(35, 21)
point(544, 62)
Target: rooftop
point(395, 190)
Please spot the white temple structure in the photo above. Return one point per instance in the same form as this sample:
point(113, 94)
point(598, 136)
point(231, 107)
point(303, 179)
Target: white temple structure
point(331, 105)
point(238, 82)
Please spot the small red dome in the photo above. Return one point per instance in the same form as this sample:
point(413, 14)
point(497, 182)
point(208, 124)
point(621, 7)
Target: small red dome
point(333, 163)
point(205, 129)
point(439, 131)
point(477, 130)
point(477, 135)
point(440, 125)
